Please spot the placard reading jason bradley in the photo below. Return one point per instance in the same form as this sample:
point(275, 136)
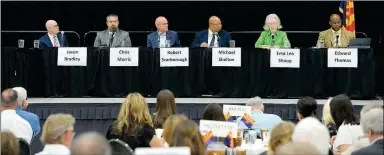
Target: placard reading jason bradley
point(72, 55)
point(174, 52)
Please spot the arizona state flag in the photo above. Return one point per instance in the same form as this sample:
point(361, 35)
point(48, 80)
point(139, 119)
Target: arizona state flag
point(228, 117)
point(348, 10)
point(228, 141)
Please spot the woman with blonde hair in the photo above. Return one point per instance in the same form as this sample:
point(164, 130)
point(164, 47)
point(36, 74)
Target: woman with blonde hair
point(165, 107)
point(280, 134)
point(327, 118)
point(9, 143)
point(272, 36)
point(134, 124)
point(170, 125)
point(187, 134)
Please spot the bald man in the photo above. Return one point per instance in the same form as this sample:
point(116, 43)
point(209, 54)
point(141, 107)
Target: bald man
point(214, 36)
point(159, 38)
point(336, 36)
point(53, 38)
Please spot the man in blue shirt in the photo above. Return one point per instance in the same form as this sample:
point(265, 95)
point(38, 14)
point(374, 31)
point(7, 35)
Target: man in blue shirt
point(262, 120)
point(22, 102)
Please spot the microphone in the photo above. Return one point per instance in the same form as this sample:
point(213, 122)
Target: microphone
point(273, 39)
point(62, 38)
point(337, 40)
point(158, 40)
point(218, 38)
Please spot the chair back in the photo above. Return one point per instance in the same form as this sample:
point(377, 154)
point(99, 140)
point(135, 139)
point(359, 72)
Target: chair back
point(24, 147)
point(120, 148)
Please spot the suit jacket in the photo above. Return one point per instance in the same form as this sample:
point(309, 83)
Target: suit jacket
point(327, 36)
point(376, 148)
point(202, 36)
point(152, 39)
point(266, 39)
point(120, 39)
point(45, 41)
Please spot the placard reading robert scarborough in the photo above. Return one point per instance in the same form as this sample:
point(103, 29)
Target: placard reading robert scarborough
point(342, 57)
point(285, 58)
point(125, 56)
point(229, 57)
point(72, 56)
point(174, 57)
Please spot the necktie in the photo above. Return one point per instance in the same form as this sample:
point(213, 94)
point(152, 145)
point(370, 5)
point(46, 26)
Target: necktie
point(55, 42)
point(212, 40)
point(111, 39)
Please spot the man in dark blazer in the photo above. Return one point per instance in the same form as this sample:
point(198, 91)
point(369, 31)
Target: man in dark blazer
point(214, 36)
point(53, 38)
point(113, 36)
point(158, 39)
point(372, 124)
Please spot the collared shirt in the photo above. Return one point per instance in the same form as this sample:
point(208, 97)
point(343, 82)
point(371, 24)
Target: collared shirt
point(334, 36)
point(53, 41)
point(210, 35)
point(347, 134)
point(31, 118)
point(56, 149)
point(262, 121)
point(163, 38)
point(12, 122)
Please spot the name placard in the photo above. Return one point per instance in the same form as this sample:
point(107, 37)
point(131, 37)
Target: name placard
point(236, 110)
point(218, 128)
point(163, 151)
point(172, 57)
point(124, 56)
point(342, 57)
point(230, 57)
point(285, 58)
point(72, 56)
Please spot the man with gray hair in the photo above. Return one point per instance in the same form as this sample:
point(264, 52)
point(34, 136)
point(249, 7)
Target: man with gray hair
point(22, 102)
point(113, 36)
point(372, 125)
point(262, 120)
point(53, 38)
point(90, 143)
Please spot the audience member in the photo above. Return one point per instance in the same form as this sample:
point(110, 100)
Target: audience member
point(170, 125)
point(10, 121)
point(262, 120)
point(57, 134)
point(187, 133)
point(32, 118)
point(134, 124)
point(165, 107)
point(9, 144)
point(311, 130)
point(213, 112)
point(363, 141)
point(279, 135)
point(347, 124)
point(91, 143)
point(328, 120)
point(372, 125)
point(306, 107)
point(294, 148)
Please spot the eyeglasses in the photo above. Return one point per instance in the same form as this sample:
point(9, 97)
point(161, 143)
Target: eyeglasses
point(55, 26)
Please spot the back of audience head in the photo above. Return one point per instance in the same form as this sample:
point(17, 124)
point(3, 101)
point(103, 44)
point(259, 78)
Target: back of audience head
point(280, 134)
point(370, 106)
point(170, 125)
point(327, 117)
point(9, 144)
point(310, 130)
point(21, 97)
point(90, 143)
point(58, 129)
point(9, 99)
point(342, 111)
point(297, 148)
point(187, 134)
point(133, 114)
point(213, 112)
point(165, 107)
point(372, 124)
point(306, 107)
point(256, 103)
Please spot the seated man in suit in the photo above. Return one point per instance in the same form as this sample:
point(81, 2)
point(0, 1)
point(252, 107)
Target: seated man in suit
point(372, 124)
point(53, 38)
point(113, 36)
point(336, 36)
point(214, 36)
point(158, 39)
